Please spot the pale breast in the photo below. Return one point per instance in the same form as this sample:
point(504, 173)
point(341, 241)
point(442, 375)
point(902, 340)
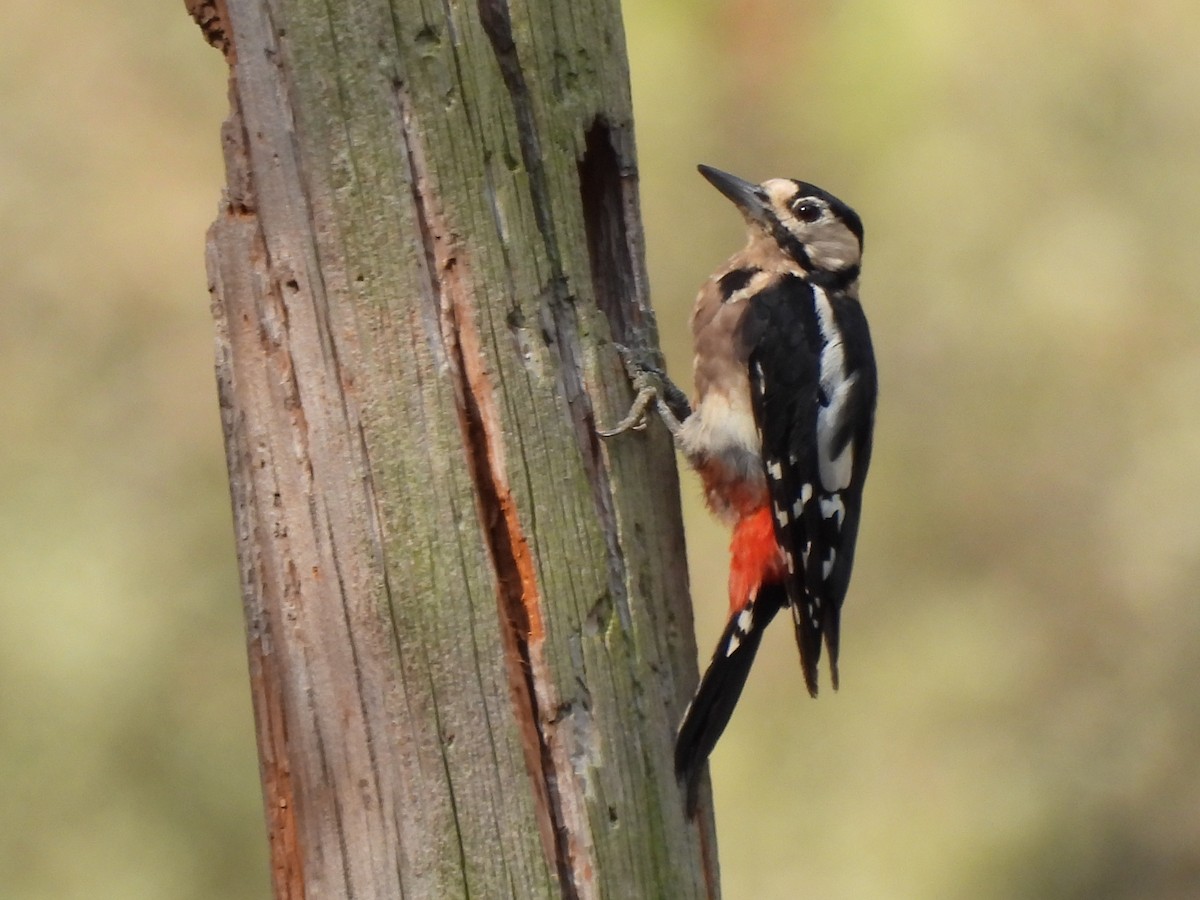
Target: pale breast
point(721, 442)
point(720, 438)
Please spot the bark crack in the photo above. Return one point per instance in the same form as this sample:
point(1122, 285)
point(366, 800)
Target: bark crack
point(519, 599)
point(560, 316)
point(497, 25)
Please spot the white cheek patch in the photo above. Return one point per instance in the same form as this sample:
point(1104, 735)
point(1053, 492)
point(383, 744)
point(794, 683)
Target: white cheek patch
point(832, 254)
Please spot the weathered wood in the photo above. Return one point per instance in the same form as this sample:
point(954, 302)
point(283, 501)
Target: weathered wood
point(468, 623)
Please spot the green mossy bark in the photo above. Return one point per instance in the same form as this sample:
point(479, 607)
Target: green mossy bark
point(469, 631)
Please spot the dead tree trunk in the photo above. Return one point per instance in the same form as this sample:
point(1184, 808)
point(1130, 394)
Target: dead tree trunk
point(468, 624)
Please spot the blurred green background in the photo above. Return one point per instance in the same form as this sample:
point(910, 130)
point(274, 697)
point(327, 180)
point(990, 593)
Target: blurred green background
point(1020, 710)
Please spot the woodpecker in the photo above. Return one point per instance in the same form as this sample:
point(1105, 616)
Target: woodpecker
point(780, 433)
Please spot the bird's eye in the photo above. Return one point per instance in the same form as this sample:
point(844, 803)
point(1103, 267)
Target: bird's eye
point(807, 210)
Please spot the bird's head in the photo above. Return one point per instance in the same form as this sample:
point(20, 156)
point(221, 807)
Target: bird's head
point(809, 225)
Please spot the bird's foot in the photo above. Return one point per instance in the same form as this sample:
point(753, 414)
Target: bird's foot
point(653, 388)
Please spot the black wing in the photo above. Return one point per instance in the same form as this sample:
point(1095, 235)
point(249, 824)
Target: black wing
point(854, 429)
point(808, 420)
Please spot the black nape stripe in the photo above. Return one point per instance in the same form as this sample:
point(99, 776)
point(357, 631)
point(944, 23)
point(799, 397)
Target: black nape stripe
point(834, 281)
point(732, 282)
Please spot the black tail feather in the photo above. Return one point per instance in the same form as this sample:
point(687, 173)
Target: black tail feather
point(833, 629)
point(719, 690)
point(808, 640)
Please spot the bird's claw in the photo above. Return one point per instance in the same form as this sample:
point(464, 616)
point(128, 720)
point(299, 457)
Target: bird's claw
point(652, 387)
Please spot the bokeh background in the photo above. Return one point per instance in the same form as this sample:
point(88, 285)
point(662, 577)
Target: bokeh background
point(1020, 710)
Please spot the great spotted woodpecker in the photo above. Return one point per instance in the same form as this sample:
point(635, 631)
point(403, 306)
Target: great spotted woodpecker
point(780, 434)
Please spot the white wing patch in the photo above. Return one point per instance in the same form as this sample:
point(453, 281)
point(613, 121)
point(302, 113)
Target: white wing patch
point(833, 508)
point(837, 385)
